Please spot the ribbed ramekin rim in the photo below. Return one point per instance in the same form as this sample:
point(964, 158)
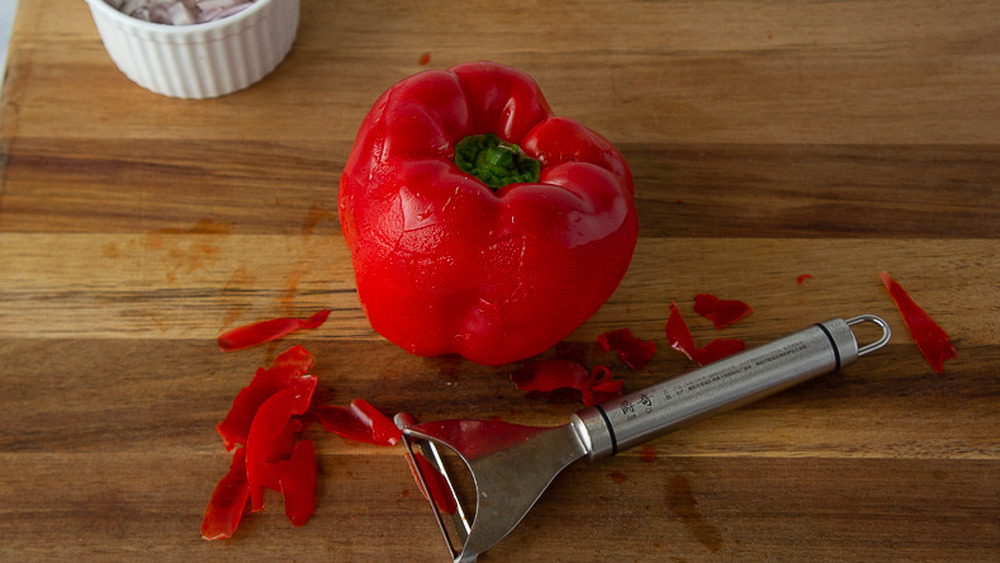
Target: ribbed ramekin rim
point(179, 31)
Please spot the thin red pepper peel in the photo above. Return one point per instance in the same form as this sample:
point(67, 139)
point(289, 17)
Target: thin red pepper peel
point(294, 477)
point(297, 481)
point(931, 339)
point(601, 386)
point(267, 428)
point(266, 331)
point(595, 385)
point(680, 339)
point(228, 502)
point(722, 312)
point(287, 371)
point(264, 426)
point(360, 422)
point(440, 492)
point(264, 419)
point(633, 351)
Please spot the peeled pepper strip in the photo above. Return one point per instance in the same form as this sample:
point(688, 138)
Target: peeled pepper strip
point(228, 502)
point(550, 375)
point(595, 386)
point(479, 223)
point(297, 477)
point(931, 339)
point(440, 492)
point(278, 452)
point(266, 331)
point(360, 422)
point(268, 426)
point(633, 351)
point(722, 312)
point(601, 386)
point(681, 340)
point(285, 371)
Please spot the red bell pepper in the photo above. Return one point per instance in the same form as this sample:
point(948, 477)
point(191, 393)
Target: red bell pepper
point(478, 222)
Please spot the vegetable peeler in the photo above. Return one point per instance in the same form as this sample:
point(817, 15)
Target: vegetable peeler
point(511, 465)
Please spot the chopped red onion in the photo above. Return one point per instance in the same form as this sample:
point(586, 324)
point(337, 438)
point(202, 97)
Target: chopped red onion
point(179, 12)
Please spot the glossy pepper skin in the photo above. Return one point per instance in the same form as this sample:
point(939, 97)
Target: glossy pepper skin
point(445, 263)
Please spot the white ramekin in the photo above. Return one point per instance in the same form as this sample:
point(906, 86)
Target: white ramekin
point(202, 60)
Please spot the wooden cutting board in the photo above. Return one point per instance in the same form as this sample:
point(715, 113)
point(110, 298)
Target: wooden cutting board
point(768, 142)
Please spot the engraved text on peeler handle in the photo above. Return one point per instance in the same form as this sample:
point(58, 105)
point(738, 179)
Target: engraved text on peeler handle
point(731, 382)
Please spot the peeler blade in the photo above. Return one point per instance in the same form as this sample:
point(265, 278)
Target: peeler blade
point(511, 466)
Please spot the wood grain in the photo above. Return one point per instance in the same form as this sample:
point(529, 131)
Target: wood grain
point(767, 141)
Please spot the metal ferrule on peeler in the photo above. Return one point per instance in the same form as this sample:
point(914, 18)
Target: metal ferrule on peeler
point(825, 347)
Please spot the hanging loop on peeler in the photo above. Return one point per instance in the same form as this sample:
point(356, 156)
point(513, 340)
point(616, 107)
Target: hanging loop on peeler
point(878, 321)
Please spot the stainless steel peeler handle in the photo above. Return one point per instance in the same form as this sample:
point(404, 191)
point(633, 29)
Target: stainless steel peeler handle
point(825, 347)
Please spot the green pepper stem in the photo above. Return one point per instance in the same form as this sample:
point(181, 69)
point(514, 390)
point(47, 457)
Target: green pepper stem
point(495, 162)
